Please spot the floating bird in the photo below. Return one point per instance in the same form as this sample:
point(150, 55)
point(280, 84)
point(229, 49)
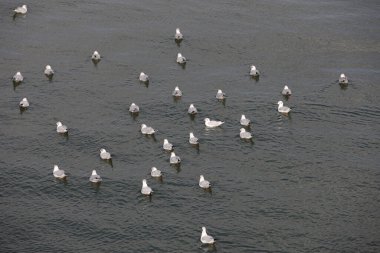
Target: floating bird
point(24, 103)
point(167, 145)
point(193, 139)
point(343, 79)
point(145, 189)
point(181, 59)
point(61, 128)
point(95, 178)
point(205, 238)
point(244, 121)
point(220, 95)
point(155, 172)
point(286, 91)
point(134, 108)
point(49, 72)
point(192, 110)
point(254, 72)
point(58, 173)
point(174, 159)
point(147, 130)
point(21, 10)
point(18, 78)
point(244, 134)
point(95, 56)
point(203, 183)
point(177, 92)
point(144, 77)
point(178, 35)
point(104, 154)
point(212, 123)
point(282, 108)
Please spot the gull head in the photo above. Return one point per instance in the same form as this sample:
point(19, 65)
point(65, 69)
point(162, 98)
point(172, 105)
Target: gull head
point(56, 168)
point(18, 73)
point(242, 116)
point(191, 105)
point(204, 231)
point(102, 150)
point(143, 126)
point(179, 55)
point(342, 75)
point(286, 87)
point(253, 67)
point(154, 169)
point(242, 130)
point(166, 141)
point(133, 104)
point(176, 88)
point(59, 123)
point(24, 6)
point(25, 100)
point(94, 173)
point(144, 183)
point(172, 154)
point(48, 67)
point(207, 120)
point(201, 178)
point(220, 91)
point(177, 30)
point(280, 103)
point(191, 135)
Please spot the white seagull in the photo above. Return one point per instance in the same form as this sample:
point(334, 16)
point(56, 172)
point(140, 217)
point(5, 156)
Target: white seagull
point(282, 108)
point(192, 110)
point(61, 128)
point(178, 35)
point(220, 95)
point(48, 71)
point(254, 72)
point(181, 59)
point(104, 154)
point(203, 183)
point(177, 92)
point(18, 78)
point(155, 172)
point(21, 9)
point(212, 123)
point(343, 79)
point(205, 238)
point(167, 145)
point(193, 139)
point(244, 121)
point(147, 130)
point(134, 108)
point(95, 178)
point(286, 91)
point(145, 189)
point(24, 103)
point(95, 56)
point(58, 173)
point(143, 77)
point(174, 159)
point(244, 134)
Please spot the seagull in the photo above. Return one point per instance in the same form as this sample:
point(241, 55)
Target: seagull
point(220, 95)
point(147, 130)
point(57, 173)
point(282, 108)
point(61, 128)
point(203, 183)
point(244, 121)
point(18, 78)
point(155, 172)
point(134, 108)
point(193, 139)
point(212, 123)
point(167, 145)
point(95, 56)
point(177, 92)
point(174, 159)
point(343, 79)
point(254, 72)
point(286, 91)
point(205, 238)
point(178, 35)
point(244, 134)
point(145, 189)
point(181, 59)
point(49, 71)
point(24, 103)
point(21, 9)
point(95, 178)
point(104, 154)
point(192, 110)
point(143, 77)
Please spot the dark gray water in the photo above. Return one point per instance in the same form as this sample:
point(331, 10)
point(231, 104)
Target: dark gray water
point(309, 182)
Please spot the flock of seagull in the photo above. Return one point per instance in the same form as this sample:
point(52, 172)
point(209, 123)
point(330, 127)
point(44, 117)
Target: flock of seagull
point(147, 130)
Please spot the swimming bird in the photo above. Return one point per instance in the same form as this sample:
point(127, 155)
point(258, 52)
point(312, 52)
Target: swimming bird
point(61, 128)
point(254, 72)
point(244, 121)
point(181, 59)
point(95, 178)
point(145, 189)
point(193, 139)
point(192, 110)
point(205, 238)
point(155, 172)
point(244, 134)
point(24, 103)
point(177, 92)
point(203, 183)
point(134, 108)
point(147, 130)
point(58, 173)
point(220, 95)
point(21, 9)
point(174, 159)
point(104, 154)
point(343, 79)
point(212, 123)
point(18, 78)
point(143, 77)
point(167, 145)
point(49, 72)
point(282, 108)
point(178, 35)
point(95, 56)
point(286, 91)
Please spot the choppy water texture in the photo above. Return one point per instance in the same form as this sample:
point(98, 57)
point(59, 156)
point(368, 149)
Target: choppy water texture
point(307, 183)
